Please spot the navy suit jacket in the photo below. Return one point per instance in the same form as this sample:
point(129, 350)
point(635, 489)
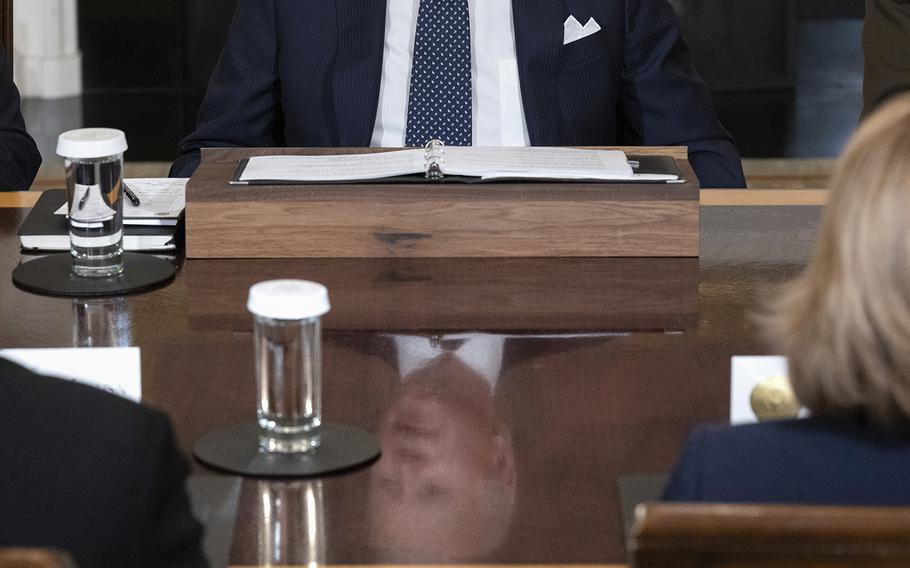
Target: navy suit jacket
point(19, 156)
point(811, 461)
point(93, 474)
point(307, 73)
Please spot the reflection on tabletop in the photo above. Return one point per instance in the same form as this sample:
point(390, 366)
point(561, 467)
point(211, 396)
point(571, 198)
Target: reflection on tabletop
point(291, 523)
point(101, 323)
point(444, 489)
point(574, 406)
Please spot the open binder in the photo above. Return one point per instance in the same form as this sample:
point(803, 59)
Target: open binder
point(438, 163)
point(43, 230)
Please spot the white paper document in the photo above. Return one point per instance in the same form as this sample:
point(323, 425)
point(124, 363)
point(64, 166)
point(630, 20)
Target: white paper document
point(536, 162)
point(161, 201)
point(487, 163)
point(333, 168)
point(113, 369)
point(746, 373)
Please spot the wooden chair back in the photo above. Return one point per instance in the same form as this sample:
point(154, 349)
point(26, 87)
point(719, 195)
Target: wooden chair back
point(35, 558)
point(769, 536)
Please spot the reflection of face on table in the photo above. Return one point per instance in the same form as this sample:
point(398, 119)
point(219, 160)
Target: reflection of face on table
point(445, 485)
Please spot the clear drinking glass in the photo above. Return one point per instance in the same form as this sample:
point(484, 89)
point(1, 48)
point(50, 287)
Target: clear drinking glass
point(292, 525)
point(101, 323)
point(288, 349)
point(289, 374)
point(94, 187)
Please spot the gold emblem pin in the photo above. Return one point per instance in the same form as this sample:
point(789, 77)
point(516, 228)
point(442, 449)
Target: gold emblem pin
point(773, 399)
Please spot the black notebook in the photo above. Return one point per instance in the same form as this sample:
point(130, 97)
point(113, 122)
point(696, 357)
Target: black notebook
point(42, 230)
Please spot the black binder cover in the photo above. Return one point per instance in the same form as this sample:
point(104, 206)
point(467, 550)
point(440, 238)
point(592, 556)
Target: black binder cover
point(43, 231)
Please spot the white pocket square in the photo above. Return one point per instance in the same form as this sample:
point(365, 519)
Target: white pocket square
point(574, 31)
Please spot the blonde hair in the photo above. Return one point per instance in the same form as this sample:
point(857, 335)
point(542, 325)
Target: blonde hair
point(845, 323)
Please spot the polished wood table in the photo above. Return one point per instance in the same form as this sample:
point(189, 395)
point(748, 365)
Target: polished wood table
point(607, 364)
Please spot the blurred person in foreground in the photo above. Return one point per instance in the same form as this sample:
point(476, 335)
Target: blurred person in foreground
point(845, 327)
point(19, 156)
point(93, 474)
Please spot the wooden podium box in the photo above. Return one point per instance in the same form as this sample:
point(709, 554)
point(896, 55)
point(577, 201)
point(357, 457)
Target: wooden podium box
point(547, 295)
point(368, 220)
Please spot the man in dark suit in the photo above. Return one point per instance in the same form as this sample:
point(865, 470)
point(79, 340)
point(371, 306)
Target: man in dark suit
point(19, 156)
point(348, 73)
point(91, 473)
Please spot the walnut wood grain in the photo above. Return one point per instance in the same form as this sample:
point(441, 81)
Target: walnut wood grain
point(582, 409)
point(760, 536)
point(434, 228)
point(19, 198)
point(569, 295)
point(709, 197)
point(35, 558)
point(765, 197)
point(434, 220)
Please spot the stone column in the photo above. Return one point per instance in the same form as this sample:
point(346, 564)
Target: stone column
point(48, 64)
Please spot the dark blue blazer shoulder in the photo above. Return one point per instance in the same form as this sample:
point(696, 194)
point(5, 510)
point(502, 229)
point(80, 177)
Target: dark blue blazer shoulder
point(811, 461)
point(93, 474)
point(19, 156)
point(308, 74)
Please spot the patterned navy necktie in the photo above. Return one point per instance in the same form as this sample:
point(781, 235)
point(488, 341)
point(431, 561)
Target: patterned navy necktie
point(439, 105)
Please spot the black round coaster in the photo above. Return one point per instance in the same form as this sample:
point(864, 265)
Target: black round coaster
point(235, 449)
point(53, 275)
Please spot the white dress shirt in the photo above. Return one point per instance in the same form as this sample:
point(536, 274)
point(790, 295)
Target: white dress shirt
point(498, 113)
point(482, 352)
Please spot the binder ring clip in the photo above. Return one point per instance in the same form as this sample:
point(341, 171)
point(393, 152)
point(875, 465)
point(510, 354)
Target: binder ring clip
point(434, 156)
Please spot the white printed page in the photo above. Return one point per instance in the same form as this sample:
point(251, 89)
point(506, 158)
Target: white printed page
point(161, 201)
point(488, 163)
point(159, 198)
point(113, 369)
point(333, 168)
point(536, 162)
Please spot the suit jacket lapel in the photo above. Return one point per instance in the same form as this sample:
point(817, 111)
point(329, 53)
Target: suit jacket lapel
point(538, 41)
point(358, 60)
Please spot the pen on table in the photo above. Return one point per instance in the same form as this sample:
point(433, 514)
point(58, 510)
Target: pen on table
point(134, 199)
point(84, 197)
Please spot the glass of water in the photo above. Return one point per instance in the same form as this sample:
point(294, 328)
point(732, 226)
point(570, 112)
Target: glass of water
point(291, 524)
point(288, 348)
point(94, 187)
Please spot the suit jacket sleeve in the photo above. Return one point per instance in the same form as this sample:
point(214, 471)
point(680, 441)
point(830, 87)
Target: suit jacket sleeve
point(242, 104)
point(665, 101)
point(19, 156)
point(173, 535)
point(686, 480)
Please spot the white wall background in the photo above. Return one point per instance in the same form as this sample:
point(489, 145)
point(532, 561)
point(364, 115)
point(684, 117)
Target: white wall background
point(48, 64)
